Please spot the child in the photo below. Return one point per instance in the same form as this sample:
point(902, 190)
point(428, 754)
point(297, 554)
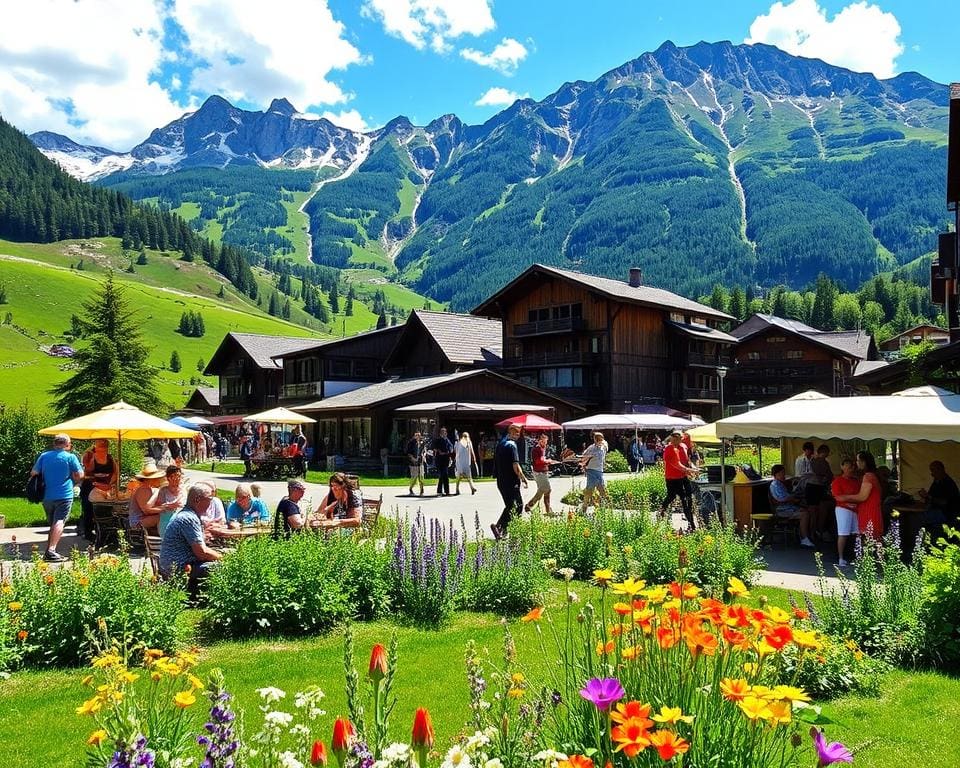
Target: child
point(845, 484)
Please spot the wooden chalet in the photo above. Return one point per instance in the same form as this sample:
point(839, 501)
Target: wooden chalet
point(610, 344)
point(374, 421)
point(204, 400)
point(892, 347)
point(940, 367)
point(777, 358)
point(331, 367)
point(444, 342)
point(250, 374)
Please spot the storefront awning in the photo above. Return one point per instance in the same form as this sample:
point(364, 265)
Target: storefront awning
point(480, 407)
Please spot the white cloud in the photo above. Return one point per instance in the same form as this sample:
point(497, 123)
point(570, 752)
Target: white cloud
point(85, 72)
point(861, 37)
point(433, 22)
point(348, 118)
point(499, 97)
point(255, 52)
point(505, 58)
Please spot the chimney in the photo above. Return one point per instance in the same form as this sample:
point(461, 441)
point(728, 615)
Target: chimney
point(636, 277)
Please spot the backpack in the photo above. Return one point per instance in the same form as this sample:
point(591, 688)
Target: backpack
point(36, 487)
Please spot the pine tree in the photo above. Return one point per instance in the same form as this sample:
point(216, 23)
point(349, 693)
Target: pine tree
point(821, 315)
point(221, 294)
point(274, 306)
point(719, 298)
point(142, 258)
point(334, 299)
point(201, 364)
point(738, 304)
point(381, 321)
point(3, 293)
point(348, 310)
point(112, 362)
point(175, 361)
point(286, 309)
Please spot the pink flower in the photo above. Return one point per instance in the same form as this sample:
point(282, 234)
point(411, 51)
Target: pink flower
point(827, 754)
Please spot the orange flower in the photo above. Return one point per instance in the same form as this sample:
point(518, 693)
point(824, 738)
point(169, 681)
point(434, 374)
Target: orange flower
point(801, 614)
point(318, 755)
point(378, 663)
point(737, 616)
point(533, 615)
point(605, 648)
point(779, 636)
point(22, 635)
point(737, 639)
point(422, 730)
point(686, 590)
point(734, 689)
point(666, 637)
point(622, 609)
point(616, 631)
point(631, 737)
point(630, 652)
point(631, 710)
point(668, 744)
point(343, 733)
point(576, 761)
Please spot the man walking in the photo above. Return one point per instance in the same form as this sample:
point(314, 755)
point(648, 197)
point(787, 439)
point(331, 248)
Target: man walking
point(541, 475)
point(61, 470)
point(414, 451)
point(442, 451)
point(183, 543)
point(509, 475)
point(678, 471)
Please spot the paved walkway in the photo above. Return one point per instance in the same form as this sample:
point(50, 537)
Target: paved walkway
point(790, 568)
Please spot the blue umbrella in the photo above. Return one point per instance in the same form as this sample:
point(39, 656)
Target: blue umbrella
point(182, 422)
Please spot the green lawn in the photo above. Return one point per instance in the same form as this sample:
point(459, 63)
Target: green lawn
point(910, 719)
point(314, 476)
point(20, 512)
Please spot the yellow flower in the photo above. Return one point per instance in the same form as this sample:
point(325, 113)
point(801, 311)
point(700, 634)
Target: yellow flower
point(187, 659)
point(628, 550)
point(750, 668)
point(196, 682)
point(656, 594)
point(631, 652)
point(518, 678)
point(90, 706)
point(106, 660)
point(515, 693)
point(7, 590)
point(672, 716)
point(152, 654)
point(97, 738)
point(586, 533)
point(88, 679)
point(778, 615)
point(858, 655)
point(754, 708)
point(156, 677)
point(41, 567)
point(15, 606)
point(763, 648)
point(630, 587)
point(737, 588)
point(128, 677)
point(851, 645)
point(763, 692)
point(184, 699)
point(806, 639)
point(789, 693)
point(708, 540)
point(780, 712)
point(603, 576)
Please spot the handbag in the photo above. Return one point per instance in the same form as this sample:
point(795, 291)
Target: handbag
point(36, 487)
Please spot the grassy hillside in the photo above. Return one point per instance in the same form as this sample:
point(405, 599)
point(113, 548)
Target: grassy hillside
point(44, 288)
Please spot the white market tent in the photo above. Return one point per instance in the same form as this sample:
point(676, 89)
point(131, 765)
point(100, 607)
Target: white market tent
point(634, 421)
point(924, 420)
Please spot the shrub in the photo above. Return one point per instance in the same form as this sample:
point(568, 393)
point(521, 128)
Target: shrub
point(646, 490)
point(880, 609)
point(838, 667)
point(712, 554)
point(62, 610)
point(616, 462)
point(19, 446)
point(306, 583)
point(941, 609)
point(506, 576)
point(426, 573)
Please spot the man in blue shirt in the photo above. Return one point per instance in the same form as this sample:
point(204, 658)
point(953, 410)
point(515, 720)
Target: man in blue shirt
point(509, 474)
point(183, 543)
point(61, 470)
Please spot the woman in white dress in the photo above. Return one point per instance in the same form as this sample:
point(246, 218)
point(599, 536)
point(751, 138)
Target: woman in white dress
point(465, 459)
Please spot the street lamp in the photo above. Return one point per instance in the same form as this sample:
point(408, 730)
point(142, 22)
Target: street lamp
point(722, 374)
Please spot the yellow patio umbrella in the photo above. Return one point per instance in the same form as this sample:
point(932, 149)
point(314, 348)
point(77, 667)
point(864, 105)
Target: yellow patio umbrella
point(705, 434)
point(280, 416)
point(118, 421)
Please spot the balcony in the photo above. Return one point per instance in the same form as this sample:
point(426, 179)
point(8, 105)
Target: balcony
point(697, 395)
point(544, 359)
point(305, 390)
point(711, 361)
point(547, 327)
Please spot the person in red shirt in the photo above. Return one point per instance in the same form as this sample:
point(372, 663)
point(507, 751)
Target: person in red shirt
point(845, 486)
point(541, 474)
point(869, 514)
point(678, 472)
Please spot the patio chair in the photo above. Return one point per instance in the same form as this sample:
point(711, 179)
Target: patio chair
point(106, 526)
point(370, 515)
point(152, 544)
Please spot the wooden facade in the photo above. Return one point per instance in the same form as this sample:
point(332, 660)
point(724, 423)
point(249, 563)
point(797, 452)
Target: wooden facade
point(589, 339)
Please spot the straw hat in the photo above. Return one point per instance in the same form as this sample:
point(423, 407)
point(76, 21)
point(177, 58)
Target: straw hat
point(150, 471)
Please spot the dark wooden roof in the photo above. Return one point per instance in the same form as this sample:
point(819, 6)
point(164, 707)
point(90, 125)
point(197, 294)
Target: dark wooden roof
point(854, 344)
point(462, 339)
point(618, 290)
point(258, 348)
point(346, 344)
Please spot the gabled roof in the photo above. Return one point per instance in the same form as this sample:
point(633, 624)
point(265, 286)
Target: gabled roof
point(211, 395)
point(392, 389)
point(618, 290)
point(462, 339)
point(326, 345)
point(259, 348)
point(867, 366)
point(855, 344)
point(704, 332)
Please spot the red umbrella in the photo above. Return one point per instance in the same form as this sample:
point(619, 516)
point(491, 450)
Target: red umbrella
point(529, 421)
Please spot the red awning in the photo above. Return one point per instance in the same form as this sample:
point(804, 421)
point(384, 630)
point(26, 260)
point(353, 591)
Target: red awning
point(221, 420)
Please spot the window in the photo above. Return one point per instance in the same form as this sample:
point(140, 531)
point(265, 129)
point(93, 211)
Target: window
point(559, 312)
point(339, 367)
point(776, 339)
point(794, 354)
point(548, 378)
point(563, 378)
point(326, 438)
point(678, 317)
point(753, 355)
point(356, 437)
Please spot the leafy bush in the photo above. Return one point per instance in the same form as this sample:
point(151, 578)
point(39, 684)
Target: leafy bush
point(306, 583)
point(62, 610)
point(648, 489)
point(616, 462)
point(712, 555)
point(506, 576)
point(19, 446)
point(426, 573)
point(941, 610)
point(881, 608)
point(838, 667)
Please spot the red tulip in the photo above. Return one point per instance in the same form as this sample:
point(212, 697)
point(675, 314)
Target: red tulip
point(318, 755)
point(378, 663)
point(422, 730)
point(343, 733)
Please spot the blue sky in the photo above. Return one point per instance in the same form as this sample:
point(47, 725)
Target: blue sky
point(109, 71)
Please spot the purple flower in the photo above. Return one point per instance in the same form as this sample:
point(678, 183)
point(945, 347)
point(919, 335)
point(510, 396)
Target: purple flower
point(828, 754)
point(603, 692)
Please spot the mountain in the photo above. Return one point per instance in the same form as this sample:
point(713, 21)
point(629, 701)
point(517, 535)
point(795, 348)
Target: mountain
point(711, 163)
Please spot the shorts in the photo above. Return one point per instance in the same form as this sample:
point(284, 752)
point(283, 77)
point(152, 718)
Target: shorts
point(847, 524)
point(789, 512)
point(57, 510)
point(543, 481)
point(594, 479)
point(416, 471)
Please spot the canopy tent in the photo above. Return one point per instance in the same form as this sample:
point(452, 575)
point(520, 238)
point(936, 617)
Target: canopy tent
point(118, 421)
point(462, 406)
point(185, 423)
point(915, 417)
point(529, 421)
point(705, 434)
point(279, 416)
point(199, 421)
point(634, 421)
